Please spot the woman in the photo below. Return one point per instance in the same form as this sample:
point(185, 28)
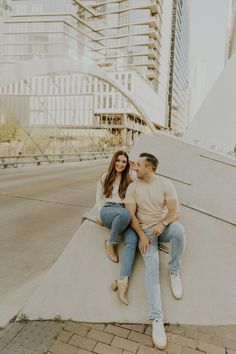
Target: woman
point(111, 189)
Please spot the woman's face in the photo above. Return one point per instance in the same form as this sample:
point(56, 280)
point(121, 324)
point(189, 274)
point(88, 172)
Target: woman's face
point(121, 163)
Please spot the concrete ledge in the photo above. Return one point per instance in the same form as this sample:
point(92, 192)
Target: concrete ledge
point(78, 285)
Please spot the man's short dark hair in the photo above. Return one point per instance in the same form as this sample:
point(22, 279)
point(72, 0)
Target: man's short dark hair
point(150, 159)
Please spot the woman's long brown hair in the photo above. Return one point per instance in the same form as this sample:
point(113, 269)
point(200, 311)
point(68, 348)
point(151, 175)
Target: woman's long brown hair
point(108, 184)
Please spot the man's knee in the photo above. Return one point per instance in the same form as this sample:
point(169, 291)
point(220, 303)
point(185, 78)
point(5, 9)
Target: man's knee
point(178, 231)
point(151, 260)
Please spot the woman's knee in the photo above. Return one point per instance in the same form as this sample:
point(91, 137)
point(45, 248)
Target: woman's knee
point(125, 215)
point(130, 237)
point(131, 242)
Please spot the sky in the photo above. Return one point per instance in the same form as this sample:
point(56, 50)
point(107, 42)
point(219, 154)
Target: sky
point(209, 23)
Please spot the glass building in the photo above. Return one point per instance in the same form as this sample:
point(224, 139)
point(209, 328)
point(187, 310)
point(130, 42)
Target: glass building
point(179, 67)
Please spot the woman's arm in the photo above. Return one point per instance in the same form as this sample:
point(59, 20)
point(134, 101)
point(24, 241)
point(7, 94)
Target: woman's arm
point(144, 242)
point(99, 193)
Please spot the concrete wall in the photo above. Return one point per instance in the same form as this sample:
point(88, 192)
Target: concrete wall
point(215, 122)
point(78, 285)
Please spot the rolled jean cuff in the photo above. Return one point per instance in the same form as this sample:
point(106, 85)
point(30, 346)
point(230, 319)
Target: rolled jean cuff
point(112, 243)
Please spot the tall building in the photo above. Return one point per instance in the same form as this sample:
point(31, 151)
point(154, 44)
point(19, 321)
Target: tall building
point(134, 36)
point(152, 38)
point(179, 67)
point(5, 9)
point(130, 34)
point(232, 34)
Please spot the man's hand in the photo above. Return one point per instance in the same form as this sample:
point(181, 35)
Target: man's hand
point(144, 244)
point(158, 229)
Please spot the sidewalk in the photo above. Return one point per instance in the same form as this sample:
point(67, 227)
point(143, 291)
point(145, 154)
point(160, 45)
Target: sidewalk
point(38, 337)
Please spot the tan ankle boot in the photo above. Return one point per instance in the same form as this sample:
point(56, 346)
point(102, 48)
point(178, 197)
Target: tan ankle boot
point(122, 287)
point(111, 252)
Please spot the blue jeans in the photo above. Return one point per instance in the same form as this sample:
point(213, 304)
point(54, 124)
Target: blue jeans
point(174, 233)
point(117, 218)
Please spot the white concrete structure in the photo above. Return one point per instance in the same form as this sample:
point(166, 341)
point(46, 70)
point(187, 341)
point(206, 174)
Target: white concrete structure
point(78, 285)
point(198, 87)
point(33, 68)
point(215, 124)
point(75, 100)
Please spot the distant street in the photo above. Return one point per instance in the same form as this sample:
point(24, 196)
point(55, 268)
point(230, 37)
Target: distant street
point(41, 209)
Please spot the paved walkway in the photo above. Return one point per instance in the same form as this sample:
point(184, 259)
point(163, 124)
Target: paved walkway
point(38, 337)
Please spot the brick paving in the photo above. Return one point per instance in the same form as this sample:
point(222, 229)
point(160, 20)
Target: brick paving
point(85, 338)
point(50, 337)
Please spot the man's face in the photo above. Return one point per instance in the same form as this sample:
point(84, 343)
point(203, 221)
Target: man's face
point(142, 168)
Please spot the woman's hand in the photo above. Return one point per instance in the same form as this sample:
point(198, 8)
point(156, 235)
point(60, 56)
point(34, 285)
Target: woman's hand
point(144, 244)
point(133, 164)
point(99, 222)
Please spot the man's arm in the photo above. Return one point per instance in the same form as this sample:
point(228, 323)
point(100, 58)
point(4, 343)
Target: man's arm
point(144, 242)
point(171, 216)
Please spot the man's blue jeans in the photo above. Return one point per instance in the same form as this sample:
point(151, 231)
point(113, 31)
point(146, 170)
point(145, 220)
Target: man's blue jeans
point(117, 218)
point(174, 233)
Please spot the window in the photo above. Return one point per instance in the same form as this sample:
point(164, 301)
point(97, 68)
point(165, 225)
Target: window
point(110, 101)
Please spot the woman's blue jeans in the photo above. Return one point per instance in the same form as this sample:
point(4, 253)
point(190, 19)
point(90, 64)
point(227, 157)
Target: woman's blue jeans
point(117, 218)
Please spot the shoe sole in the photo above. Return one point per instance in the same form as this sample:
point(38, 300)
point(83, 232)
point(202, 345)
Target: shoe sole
point(176, 298)
point(114, 286)
point(161, 348)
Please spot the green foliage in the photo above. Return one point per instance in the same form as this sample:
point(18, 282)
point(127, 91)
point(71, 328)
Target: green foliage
point(8, 131)
point(58, 318)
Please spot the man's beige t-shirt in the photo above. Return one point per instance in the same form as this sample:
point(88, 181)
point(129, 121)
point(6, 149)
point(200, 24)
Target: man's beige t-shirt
point(150, 199)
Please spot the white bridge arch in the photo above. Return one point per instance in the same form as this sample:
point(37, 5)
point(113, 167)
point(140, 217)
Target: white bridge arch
point(28, 69)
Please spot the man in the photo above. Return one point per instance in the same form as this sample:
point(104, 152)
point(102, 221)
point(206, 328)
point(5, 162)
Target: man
point(153, 204)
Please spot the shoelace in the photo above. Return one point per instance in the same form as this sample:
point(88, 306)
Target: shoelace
point(174, 275)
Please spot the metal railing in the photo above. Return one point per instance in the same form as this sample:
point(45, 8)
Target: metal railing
point(40, 159)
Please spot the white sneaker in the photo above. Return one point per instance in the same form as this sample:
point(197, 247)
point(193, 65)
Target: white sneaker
point(159, 334)
point(176, 285)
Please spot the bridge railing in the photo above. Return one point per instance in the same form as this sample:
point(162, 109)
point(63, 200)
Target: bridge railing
point(23, 160)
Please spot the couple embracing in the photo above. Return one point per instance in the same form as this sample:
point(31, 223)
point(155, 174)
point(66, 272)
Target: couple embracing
point(144, 211)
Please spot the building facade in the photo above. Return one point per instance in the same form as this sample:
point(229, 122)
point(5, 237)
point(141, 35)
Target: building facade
point(179, 67)
point(129, 38)
point(134, 35)
point(232, 34)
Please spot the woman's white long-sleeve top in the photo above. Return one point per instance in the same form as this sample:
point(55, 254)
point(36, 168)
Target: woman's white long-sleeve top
point(101, 199)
